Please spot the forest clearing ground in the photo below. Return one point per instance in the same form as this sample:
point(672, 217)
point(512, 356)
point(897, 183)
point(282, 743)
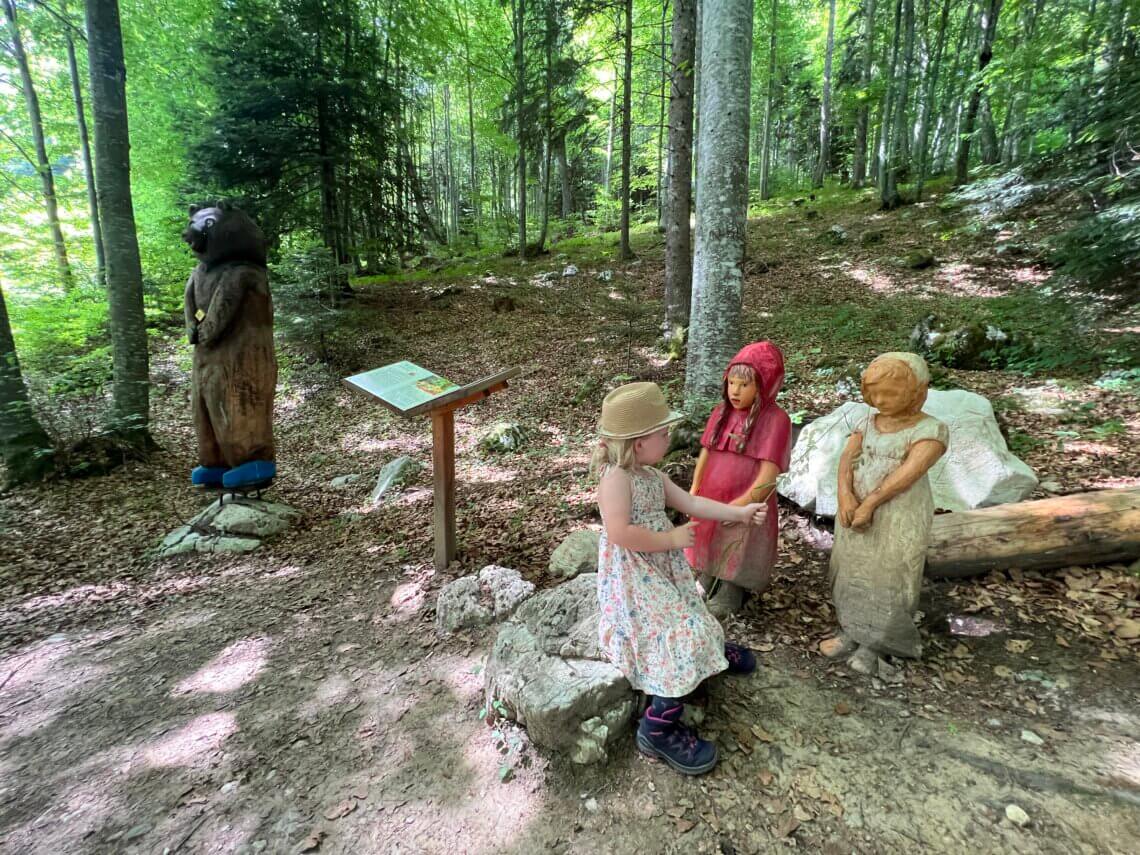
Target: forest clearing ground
point(299, 696)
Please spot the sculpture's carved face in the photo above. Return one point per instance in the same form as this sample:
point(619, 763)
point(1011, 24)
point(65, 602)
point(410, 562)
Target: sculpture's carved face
point(741, 392)
point(896, 391)
point(197, 234)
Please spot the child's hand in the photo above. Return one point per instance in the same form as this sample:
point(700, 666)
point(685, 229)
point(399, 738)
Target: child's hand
point(682, 536)
point(862, 517)
point(754, 513)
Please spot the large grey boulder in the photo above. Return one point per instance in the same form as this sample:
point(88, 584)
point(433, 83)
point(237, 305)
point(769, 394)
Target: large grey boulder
point(977, 471)
point(478, 600)
point(547, 669)
point(576, 554)
point(233, 524)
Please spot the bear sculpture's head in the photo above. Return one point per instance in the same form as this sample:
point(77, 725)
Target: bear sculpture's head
point(222, 233)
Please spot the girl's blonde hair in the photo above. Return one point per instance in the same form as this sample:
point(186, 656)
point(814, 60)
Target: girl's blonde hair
point(910, 368)
point(613, 452)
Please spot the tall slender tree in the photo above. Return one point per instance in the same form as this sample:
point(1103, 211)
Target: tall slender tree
point(863, 114)
point(770, 106)
point(987, 26)
point(825, 103)
point(625, 251)
point(679, 185)
point(41, 163)
point(130, 386)
point(722, 203)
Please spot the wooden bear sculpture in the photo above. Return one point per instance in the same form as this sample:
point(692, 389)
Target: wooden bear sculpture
point(229, 319)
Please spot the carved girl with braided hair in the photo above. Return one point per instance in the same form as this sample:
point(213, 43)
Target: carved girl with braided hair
point(746, 444)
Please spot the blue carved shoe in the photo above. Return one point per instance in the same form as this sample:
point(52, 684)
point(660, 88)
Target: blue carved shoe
point(255, 473)
point(662, 735)
point(741, 660)
point(207, 476)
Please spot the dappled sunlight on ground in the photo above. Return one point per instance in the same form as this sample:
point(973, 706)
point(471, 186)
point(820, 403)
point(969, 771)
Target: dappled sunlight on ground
point(875, 280)
point(193, 743)
point(231, 669)
point(1095, 449)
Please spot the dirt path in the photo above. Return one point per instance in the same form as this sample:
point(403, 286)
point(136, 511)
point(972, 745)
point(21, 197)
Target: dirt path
point(298, 697)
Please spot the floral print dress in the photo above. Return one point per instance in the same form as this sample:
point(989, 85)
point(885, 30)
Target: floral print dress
point(654, 625)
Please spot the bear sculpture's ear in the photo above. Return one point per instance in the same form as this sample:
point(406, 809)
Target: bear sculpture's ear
point(225, 205)
point(194, 209)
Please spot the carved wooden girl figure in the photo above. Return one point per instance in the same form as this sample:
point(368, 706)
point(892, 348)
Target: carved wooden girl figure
point(885, 513)
point(746, 444)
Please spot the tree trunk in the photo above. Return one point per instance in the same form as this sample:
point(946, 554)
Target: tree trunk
point(769, 106)
point(722, 154)
point(564, 177)
point(988, 20)
point(863, 116)
point(549, 35)
point(41, 163)
point(625, 253)
point(678, 238)
point(24, 445)
point(1082, 529)
point(452, 191)
point(607, 174)
point(890, 95)
point(130, 386)
point(930, 100)
point(825, 103)
point(897, 157)
point(85, 151)
point(661, 123)
point(476, 206)
point(518, 8)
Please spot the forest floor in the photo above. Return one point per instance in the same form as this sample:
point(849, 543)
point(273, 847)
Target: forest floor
point(298, 698)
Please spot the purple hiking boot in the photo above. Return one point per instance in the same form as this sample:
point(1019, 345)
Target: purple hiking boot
point(662, 735)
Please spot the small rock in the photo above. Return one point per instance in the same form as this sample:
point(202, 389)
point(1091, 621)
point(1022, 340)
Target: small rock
point(503, 437)
point(835, 235)
point(591, 804)
point(569, 270)
point(1016, 815)
point(918, 259)
point(871, 236)
point(577, 553)
point(1031, 737)
point(342, 481)
point(395, 474)
point(138, 831)
point(229, 786)
point(993, 722)
point(605, 275)
point(1051, 486)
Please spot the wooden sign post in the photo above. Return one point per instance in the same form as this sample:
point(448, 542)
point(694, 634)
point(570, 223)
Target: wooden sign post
point(409, 390)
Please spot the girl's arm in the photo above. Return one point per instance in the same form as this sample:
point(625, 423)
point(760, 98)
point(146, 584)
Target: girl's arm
point(699, 472)
point(707, 509)
point(922, 455)
point(614, 498)
point(848, 502)
point(762, 487)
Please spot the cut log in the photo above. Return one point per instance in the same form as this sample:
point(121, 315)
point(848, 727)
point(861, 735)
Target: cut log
point(1081, 529)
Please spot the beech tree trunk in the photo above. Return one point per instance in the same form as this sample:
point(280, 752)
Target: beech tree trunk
point(130, 385)
point(518, 21)
point(625, 252)
point(862, 117)
point(722, 155)
point(85, 151)
point(896, 157)
point(928, 103)
point(24, 445)
point(825, 103)
point(564, 177)
point(769, 106)
point(987, 24)
point(679, 185)
point(41, 162)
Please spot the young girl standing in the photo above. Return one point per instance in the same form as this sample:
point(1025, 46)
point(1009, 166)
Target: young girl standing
point(654, 625)
point(746, 444)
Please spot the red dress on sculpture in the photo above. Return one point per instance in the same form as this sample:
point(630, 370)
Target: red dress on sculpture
point(743, 555)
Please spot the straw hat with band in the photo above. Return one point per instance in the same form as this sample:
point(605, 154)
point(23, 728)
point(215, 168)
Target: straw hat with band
point(634, 410)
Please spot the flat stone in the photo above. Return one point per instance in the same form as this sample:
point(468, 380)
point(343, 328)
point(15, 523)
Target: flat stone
point(1016, 815)
point(576, 554)
point(395, 474)
point(342, 481)
point(244, 517)
point(977, 471)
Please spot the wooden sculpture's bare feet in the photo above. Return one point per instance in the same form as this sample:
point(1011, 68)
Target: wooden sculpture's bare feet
point(835, 648)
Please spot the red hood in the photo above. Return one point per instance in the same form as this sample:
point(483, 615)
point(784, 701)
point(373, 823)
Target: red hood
point(767, 361)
